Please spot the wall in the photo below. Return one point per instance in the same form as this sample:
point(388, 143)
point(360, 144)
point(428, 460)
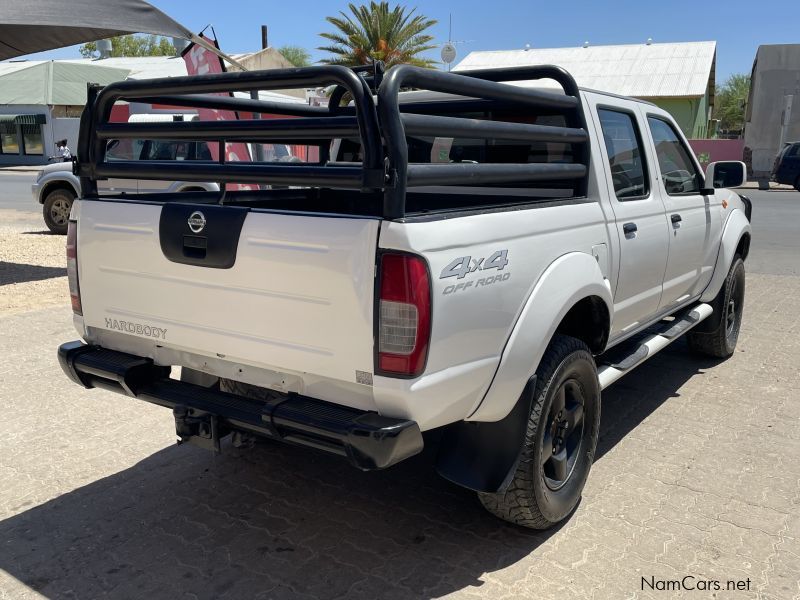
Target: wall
point(65, 129)
point(268, 58)
point(776, 73)
point(714, 150)
point(689, 113)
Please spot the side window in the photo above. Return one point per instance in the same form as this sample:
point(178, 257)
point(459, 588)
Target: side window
point(201, 151)
point(677, 167)
point(625, 157)
point(794, 151)
point(159, 150)
point(123, 149)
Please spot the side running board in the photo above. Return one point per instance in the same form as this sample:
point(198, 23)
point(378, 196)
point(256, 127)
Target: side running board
point(615, 363)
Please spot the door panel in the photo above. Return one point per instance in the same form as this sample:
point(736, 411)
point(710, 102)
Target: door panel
point(639, 214)
point(121, 150)
point(693, 219)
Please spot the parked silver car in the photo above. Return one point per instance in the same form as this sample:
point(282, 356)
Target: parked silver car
point(56, 187)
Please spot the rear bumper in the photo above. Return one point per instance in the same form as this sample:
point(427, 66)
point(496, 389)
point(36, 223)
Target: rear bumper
point(205, 415)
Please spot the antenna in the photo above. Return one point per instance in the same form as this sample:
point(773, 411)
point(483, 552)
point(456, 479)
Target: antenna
point(448, 49)
point(448, 52)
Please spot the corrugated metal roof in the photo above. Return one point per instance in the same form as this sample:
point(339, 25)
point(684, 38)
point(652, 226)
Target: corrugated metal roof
point(640, 70)
point(141, 67)
point(154, 67)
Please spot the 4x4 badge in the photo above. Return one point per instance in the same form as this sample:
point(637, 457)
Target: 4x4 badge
point(197, 221)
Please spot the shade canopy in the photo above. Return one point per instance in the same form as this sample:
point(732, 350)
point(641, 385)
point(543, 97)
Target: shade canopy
point(52, 82)
point(28, 26)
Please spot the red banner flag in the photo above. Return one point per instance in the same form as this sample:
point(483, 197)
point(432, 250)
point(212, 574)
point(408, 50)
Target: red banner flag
point(201, 61)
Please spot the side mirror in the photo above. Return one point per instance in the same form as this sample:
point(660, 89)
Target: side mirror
point(726, 174)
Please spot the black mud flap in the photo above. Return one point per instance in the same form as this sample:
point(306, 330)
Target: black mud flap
point(484, 456)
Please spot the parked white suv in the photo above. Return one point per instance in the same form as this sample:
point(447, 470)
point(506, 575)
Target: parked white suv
point(480, 259)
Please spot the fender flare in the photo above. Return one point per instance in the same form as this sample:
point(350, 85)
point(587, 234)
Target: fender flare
point(46, 184)
point(736, 227)
point(568, 280)
point(482, 452)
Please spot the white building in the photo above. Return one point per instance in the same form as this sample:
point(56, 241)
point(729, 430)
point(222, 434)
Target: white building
point(40, 102)
point(678, 77)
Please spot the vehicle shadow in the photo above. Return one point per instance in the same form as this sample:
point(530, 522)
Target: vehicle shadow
point(20, 272)
point(282, 522)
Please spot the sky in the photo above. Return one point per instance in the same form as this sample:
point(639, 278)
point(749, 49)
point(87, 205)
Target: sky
point(738, 26)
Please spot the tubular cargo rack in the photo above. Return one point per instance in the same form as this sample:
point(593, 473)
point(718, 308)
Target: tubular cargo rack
point(375, 116)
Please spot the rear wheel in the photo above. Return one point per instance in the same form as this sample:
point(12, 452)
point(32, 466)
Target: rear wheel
point(797, 183)
point(560, 440)
point(721, 341)
point(56, 209)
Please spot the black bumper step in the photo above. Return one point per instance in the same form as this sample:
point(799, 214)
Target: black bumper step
point(204, 415)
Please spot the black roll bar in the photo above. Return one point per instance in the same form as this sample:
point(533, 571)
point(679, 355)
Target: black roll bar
point(239, 105)
point(246, 130)
point(432, 125)
point(382, 131)
point(365, 116)
point(483, 85)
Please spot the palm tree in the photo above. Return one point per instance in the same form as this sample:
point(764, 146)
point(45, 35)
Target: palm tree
point(298, 56)
point(377, 32)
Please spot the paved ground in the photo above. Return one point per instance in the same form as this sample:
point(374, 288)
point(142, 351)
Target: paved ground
point(697, 474)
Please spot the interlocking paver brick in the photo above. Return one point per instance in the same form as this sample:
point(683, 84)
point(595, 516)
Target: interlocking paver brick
point(696, 474)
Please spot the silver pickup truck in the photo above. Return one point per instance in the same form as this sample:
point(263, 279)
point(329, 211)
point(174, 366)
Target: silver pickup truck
point(474, 258)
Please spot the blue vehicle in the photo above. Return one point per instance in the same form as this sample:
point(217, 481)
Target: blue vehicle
point(787, 166)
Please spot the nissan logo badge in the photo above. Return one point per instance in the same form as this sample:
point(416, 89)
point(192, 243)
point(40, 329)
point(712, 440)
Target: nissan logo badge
point(197, 221)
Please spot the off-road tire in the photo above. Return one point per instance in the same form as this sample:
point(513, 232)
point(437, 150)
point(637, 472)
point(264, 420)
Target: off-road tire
point(529, 501)
point(55, 210)
point(729, 304)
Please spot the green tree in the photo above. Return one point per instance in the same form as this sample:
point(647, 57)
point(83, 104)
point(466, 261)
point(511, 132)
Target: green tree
point(133, 45)
point(296, 55)
point(730, 100)
point(379, 32)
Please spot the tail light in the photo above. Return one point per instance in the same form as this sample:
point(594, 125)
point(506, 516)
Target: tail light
point(72, 267)
point(404, 319)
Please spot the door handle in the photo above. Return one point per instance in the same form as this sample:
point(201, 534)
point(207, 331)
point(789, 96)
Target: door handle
point(675, 219)
point(629, 228)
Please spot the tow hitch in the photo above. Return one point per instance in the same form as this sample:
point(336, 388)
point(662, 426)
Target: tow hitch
point(198, 427)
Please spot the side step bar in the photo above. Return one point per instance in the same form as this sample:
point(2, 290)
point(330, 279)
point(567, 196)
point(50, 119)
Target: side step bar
point(609, 370)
